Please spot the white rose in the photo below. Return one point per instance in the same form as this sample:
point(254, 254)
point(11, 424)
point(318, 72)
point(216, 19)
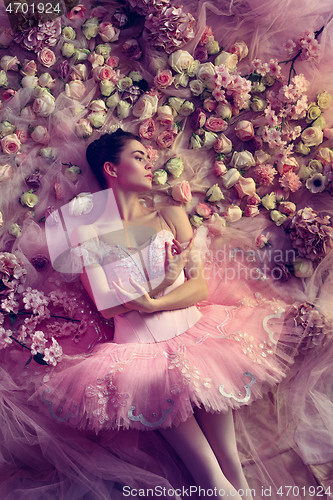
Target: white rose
point(233, 213)
point(72, 172)
point(145, 107)
point(197, 87)
point(106, 87)
point(3, 78)
point(81, 55)
point(68, 49)
point(97, 118)
point(9, 63)
point(113, 100)
point(227, 59)
point(180, 60)
point(97, 105)
point(44, 105)
point(29, 81)
point(46, 80)
point(124, 83)
point(206, 73)
point(75, 89)
point(181, 80)
point(186, 108)
point(176, 103)
point(277, 217)
point(212, 46)
point(230, 178)
point(90, 28)
point(48, 153)
point(82, 204)
point(269, 201)
point(123, 109)
point(6, 128)
point(209, 139)
point(242, 160)
point(40, 134)
point(312, 136)
point(83, 128)
point(15, 230)
point(193, 68)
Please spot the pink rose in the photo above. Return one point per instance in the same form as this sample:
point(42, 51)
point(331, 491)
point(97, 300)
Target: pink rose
point(23, 135)
point(104, 73)
point(240, 49)
point(46, 57)
point(198, 119)
point(203, 210)
point(10, 144)
point(165, 139)
point(182, 192)
point(8, 94)
point(289, 164)
point(215, 124)
point(29, 68)
point(107, 32)
point(147, 129)
point(59, 191)
point(261, 241)
point(244, 130)
point(245, 186)
point(6, 172)
point(251, 211)
point(210, 104)
point(40, 135)
point(253, 199)
point(287, 207)
point(112, 61)
point(5, 37)
point(165, 115)
point(223, 145)
point(163, 79)
point(77, 12)
point(219, 168)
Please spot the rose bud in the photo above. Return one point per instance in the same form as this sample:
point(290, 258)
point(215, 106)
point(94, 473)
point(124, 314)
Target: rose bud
point(33, 180)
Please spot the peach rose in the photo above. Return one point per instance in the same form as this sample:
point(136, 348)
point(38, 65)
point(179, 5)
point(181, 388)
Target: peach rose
point(227, 59)
point(215, 124)
point(182, 192)
point(245, 186)
point(287, 207)
point(165, 139)
point(46, 57)
point(104, 73)
point(10, 144)
point(244, 130)
point(108, 33)
point(163, 79)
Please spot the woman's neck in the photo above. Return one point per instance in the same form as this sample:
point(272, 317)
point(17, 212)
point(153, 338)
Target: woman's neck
point(128, 204)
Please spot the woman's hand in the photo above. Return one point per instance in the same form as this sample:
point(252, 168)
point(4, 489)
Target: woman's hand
point(175, 259)
point(130, 300)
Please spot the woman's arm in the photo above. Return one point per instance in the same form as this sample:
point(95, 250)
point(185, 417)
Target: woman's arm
point(189, 293)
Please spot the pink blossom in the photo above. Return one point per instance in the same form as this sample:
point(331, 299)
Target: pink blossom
point(289, 46)
point(265, 174)
point(290, 181)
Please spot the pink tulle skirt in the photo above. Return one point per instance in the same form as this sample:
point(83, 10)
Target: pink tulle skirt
point(229, 358)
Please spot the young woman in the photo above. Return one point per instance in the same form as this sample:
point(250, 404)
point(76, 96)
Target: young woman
point(171, 367)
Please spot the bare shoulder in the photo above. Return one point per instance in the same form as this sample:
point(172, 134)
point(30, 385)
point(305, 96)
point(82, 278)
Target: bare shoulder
point(177, 220)
point(82, 234)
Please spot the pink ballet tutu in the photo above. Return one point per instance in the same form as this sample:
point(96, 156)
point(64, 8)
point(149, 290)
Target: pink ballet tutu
point(227, 359)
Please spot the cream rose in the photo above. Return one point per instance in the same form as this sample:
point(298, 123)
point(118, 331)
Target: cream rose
point(186, 108)
point(269, 201)
point(68, 33)
point(82, 204)
point(181, 80)
point(196, 220)
point(303, 268)
point(227, 59)
point(206, 73)
point(302, 149)
point(180, 60)
point(233, 213)
point(72, 172)
point(97, 118)
point(244, 130)
point(113, 100)
point(240, 49)
point(277, 217)
point(3, 79)
point(6, 128)
point(83, 128)
point(46, 80)
point(145, 107)
point(312, 136)
point(197, 87)
point(258, 104)
point(68, 49)
point(223, 145)
point(212, 46)
point(324, 100)
point(29, 199)
point(15, 230)
point(106, 87)
point(214, 193)
point(224, 110)
point(242, 160)
point(9, 63)
point(90, 28)
point(29, 68)
point(29, 81)
point(160, 176)
point(123, 109)
point(230, 178)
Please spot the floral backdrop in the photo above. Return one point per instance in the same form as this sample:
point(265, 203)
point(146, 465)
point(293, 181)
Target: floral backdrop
point(241, 136)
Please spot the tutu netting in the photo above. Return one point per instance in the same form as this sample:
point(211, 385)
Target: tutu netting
point(261, 343)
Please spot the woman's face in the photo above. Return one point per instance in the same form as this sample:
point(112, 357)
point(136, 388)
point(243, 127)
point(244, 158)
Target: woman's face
point(133, 172)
